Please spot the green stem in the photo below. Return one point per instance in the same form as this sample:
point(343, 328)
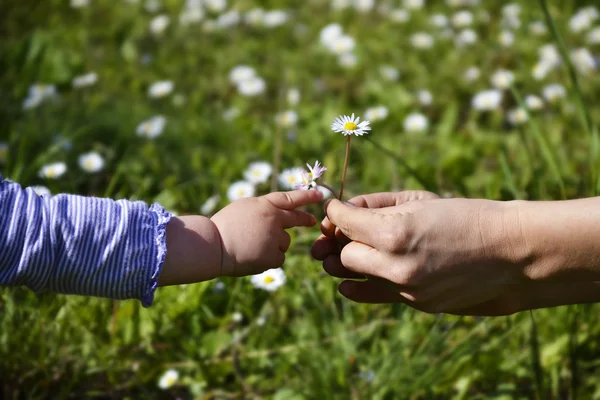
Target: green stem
point(345, 166)
point(411, 171)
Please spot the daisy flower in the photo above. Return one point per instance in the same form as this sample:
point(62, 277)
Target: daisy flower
point(350, 125)
point(534, 102)
point(487, 100)
point(152, 127)
point(376, 113)
point(517, 116)
point(241, 73)
point(309, 178)
point(258, 172)
point(41, 190)
point(415, 123)
point(82, 81)
point(160, 89)
point(168, 379)
point(210, 204)
point(270, 280)
point(53, 171)
point(290, 177)
point(91, 162)
point(287, 119)
point(239, 190)
point(159, 24)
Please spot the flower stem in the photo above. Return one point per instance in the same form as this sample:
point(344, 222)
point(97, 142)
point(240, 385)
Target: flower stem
point(345, 167)
point(332, 190)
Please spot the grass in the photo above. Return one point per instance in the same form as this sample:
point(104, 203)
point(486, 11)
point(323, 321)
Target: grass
point(313, 343)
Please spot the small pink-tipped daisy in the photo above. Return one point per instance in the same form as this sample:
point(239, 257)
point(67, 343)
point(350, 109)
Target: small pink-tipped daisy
point(308, 180)
point(350, 125)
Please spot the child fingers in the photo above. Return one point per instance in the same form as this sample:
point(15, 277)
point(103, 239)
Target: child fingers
point(294, 199)
point(294, 218)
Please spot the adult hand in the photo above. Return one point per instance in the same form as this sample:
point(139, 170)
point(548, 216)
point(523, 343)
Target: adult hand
point(425, 251)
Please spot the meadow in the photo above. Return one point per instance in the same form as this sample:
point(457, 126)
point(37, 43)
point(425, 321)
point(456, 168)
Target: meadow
point(196, 103)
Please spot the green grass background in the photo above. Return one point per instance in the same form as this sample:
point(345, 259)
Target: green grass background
point(314, 344)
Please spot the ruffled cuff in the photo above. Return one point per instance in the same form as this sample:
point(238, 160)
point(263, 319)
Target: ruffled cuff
point(161, 218)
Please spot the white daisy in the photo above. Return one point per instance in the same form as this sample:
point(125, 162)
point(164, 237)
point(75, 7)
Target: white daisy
point(553, 92)
point(237, 317)
point(534, 102)
point(538, 28)
point(389, 73)
point(541, 70)
point(399, 15)
point(462, 19)
point(239, 190)
point(168, 379)
point(241, 73)
point(340, 4)
point(376, 113)
point(439, 20)
point(85, 80)
point(210, 204)
point(348, 60)
point(506, 38)
point(364, 6)
point(191, 15)
point(79, 3)
point(254, 16)
point(593, 36)
point(472, 74)
point(287, 119)
point(517, 116)
point(415, 122)
point(466, 37)
point(289, 178)
point(293, 96)
point(152, 127)
point(502, 79)
point(350, 125)
point(583, 60)
point(91, 162)
point(341, 44)
point(228, 19)
point(274, 18)
point(53, 171)
point(41, 190)
point(252, 87)
point(160, 89)
point(425, 97)
point(329, 33)
point(216, 6)
point(258, 172)
point(422, 40)
point(487, 100)
point(270, 280)
point(159, 24)
point(413, 4)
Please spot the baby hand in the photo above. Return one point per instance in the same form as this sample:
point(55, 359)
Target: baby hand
point(253, 232)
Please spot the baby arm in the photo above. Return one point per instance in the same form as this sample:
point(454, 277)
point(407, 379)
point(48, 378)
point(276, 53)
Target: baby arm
point(80, 245)
point(246, 237)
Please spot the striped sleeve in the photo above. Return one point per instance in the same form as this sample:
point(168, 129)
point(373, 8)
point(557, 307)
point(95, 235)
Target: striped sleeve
point(81, 245)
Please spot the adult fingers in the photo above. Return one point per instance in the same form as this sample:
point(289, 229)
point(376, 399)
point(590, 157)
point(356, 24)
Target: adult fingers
point(390, 199)
point(285, 241)
point(334, 267)
point(369, 292)
point(324, 247)
point(294, 199)
point(356, 223)
point(294, 218)
point(366, 260)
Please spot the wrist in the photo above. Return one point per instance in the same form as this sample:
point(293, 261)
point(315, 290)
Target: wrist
point(193, 251)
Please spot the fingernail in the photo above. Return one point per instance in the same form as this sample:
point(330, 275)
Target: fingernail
point(349, 204)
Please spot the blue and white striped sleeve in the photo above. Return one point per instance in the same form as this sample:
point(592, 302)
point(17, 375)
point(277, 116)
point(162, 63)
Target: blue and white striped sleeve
point(81, 245)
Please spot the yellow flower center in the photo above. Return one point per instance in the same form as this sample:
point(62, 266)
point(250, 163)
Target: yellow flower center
point(268, 279)
point(349, 126)
point(89, 164)
point(291, 179)
point(241, 192)
point(51, 172)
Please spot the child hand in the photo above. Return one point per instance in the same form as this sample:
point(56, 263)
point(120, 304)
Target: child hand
point(253, 232)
